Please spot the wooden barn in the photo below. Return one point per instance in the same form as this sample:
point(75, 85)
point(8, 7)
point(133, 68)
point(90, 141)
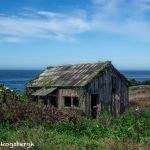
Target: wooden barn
point(91, 87)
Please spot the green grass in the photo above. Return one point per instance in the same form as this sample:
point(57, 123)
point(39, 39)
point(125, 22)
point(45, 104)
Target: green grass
point(50, 140)
point(53, 129)
point(133, 89)
point(129, 131)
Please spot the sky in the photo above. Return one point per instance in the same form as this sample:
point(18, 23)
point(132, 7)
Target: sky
point(35, 34)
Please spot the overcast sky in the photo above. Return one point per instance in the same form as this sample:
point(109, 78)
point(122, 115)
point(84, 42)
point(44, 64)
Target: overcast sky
point(35, 34)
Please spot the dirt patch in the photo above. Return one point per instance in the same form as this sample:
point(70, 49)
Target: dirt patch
point(140, 97)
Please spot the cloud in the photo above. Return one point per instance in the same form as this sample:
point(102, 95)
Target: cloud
point(55, 26)
point(10, 40)
point(49, 14)
point(123, 17)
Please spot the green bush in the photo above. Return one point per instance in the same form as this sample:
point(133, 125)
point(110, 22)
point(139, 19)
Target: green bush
point(51, 128)
point(2, 86)
point(134, 82)
point(84, 134)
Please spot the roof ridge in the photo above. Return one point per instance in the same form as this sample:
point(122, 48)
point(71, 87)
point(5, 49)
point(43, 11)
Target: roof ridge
point(98, 62)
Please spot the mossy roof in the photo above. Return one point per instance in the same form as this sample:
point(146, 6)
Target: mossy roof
point(69, 75)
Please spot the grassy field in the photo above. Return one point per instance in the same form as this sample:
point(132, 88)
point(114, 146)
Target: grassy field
point(129, 131)
point(140, 97)
point(68, 130)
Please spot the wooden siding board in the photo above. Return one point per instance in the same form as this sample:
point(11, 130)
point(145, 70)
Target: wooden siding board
point(103, 86)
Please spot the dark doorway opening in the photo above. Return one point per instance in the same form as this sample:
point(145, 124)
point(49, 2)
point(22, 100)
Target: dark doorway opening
point(75, 102)
point(94, 102)
point(53, 101)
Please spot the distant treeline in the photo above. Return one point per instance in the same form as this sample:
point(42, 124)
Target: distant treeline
point(134, 82)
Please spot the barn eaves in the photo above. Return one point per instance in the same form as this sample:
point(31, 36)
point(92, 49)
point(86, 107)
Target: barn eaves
point(44, 92)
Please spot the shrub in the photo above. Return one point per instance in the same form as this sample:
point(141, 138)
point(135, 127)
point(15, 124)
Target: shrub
point(2, 86)
point(20, 117)
point(134, 82)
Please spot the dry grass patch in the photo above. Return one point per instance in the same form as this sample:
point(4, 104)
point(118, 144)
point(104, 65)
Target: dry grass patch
point(140, 97)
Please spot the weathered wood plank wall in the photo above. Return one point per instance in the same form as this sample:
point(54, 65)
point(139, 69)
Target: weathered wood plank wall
point(115, 102)
point(65, 93)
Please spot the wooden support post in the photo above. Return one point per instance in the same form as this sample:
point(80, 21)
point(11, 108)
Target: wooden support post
point(71, 101)
point(38, 100)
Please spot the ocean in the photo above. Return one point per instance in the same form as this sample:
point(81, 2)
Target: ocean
point(16, 79)
point(137, 75)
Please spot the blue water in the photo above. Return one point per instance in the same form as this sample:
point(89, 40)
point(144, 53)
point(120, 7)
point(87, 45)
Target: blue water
point(137, 75)
point(16, 79)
